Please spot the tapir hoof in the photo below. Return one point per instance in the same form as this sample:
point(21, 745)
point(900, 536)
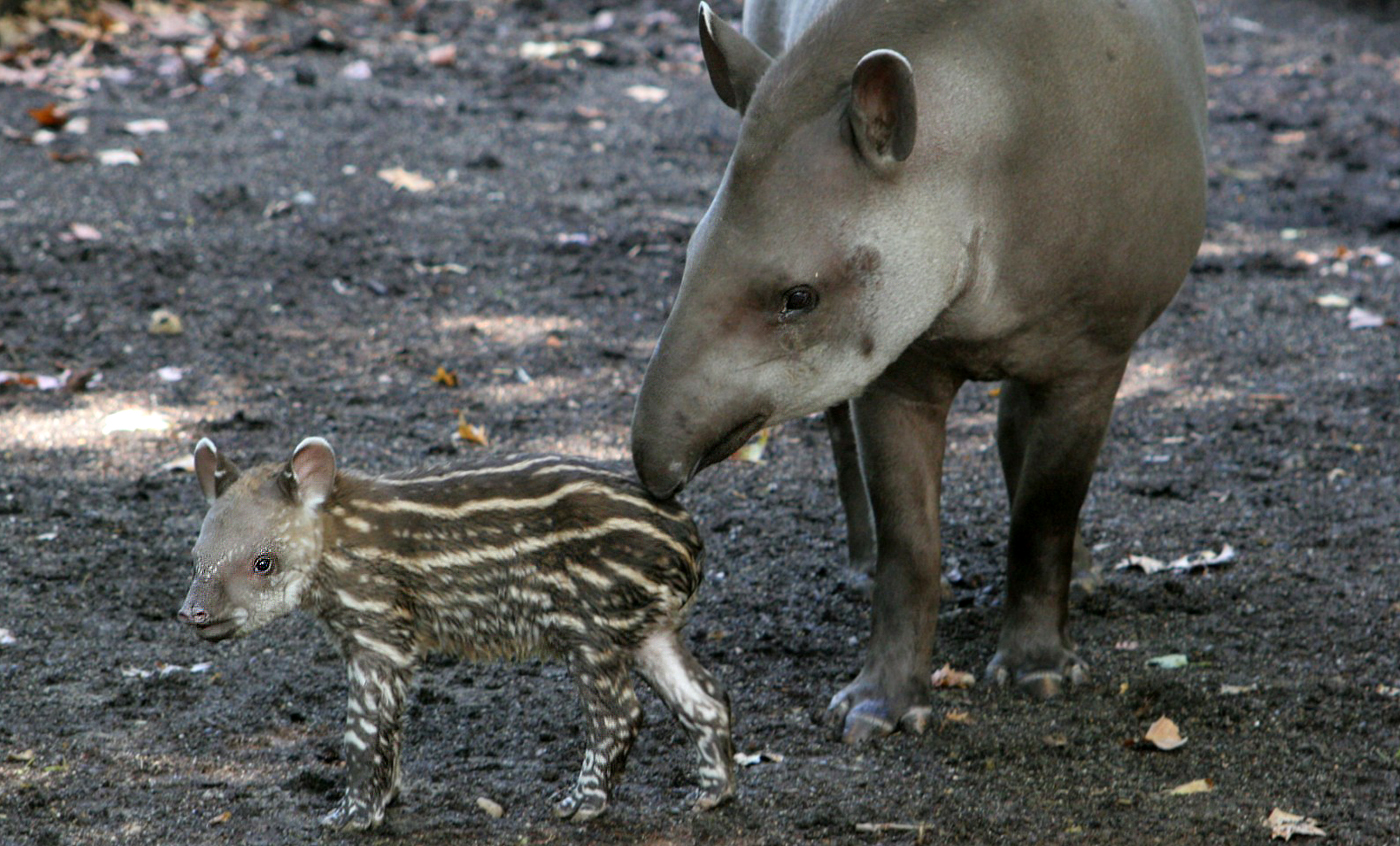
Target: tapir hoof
point(862, 712)
point(1039, 682)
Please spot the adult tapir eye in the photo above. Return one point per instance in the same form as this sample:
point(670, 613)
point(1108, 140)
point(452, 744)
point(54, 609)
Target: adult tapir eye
point(799, 300)
point(262, 565)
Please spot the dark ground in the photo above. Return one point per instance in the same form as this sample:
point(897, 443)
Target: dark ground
point(1252, 416)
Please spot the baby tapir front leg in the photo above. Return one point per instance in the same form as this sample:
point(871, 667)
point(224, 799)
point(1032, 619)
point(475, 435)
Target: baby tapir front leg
point(612, 714)
point(373, 737)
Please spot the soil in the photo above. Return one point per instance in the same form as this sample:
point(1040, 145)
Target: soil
point(315, 299)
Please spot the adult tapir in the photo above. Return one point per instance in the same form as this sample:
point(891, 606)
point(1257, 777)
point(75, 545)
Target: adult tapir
point(926, 192)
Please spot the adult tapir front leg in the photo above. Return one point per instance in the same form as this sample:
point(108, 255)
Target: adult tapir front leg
point(901, 428)
point(373, 738)
point(1049, 437)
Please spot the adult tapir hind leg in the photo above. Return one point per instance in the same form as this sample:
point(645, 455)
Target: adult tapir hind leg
point(850, 485)
point(900, 424)
point(1049, 438)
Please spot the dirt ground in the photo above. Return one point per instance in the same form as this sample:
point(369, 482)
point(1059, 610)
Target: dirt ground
point(316, 299)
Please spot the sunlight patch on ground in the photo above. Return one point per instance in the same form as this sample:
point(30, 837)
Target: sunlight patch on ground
point(516, 330)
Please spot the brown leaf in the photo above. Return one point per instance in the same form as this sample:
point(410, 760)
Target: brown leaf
point(446, 378)
point(946, 676)
point(959, 717)
point(443, 56)
point(1200, 785)
point(222, 818)
point(1283, 825)
point(471, 433)
point(1164, 735)
point(49, 116)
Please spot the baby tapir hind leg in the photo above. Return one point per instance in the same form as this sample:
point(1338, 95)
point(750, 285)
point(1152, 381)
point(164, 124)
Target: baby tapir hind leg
point(700, 703)
point(612, 714)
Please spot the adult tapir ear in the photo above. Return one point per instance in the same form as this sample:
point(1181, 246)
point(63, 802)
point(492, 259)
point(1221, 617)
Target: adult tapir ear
point(735, 63)
point(884, 114)
point(313, 468)
point(214, 472)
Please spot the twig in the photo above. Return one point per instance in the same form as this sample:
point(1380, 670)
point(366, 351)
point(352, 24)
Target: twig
point(921, 828)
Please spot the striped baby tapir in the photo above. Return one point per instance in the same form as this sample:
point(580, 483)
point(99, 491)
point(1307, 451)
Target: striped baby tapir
point(503, 558)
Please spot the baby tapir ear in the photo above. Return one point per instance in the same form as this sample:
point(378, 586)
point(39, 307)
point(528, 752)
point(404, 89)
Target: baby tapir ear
point(214, 472)
point(735, 63)
point(884, 115)
point(313, 467)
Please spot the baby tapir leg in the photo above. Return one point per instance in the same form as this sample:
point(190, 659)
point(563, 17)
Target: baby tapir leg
point(373, 733)
point(613, 714)
point(700, 703)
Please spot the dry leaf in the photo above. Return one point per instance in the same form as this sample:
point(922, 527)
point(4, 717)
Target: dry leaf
point(443, 55)
point(149, 126)
point(49, 116)
point(1360, 318)
point(753, 450)
point(1283, 825)
point(1195, 561)
point(646, 93)
point(81, 232)
point(958, 716)
point(222, 818)
point(406, 180)
point(749, 759)
point(946, 676)
point(492, 808)
point(111, 158)
point(446, 378)
point(1164, 735)
point(1200, 785)
point(1332, 301)
point(470, 433)
point(1296, 136)
point(1237, 689)
point(25, 757)
point(1174, 661)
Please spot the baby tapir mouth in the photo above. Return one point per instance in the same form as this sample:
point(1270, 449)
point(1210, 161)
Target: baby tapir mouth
point(216, 630)
point(725, 446)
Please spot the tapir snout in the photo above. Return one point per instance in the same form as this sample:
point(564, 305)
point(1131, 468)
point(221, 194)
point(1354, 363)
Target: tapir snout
point(204, 609)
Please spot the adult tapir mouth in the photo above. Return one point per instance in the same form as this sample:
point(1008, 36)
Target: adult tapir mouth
point(726, 445)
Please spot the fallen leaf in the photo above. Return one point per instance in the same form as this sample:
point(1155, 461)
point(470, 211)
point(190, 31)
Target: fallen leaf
point(470, 433)
point(1283, 825)
point(1200, 785)
point(443, 55)
point(1332, 301)
point(134, 420)
point(406, 180)
point(1055, 740)
point(1168, 662)
point(446, 378)
point(1237, 689)
point(357, 71)
point(750, 759)
point(1164, 735)
point(170, 374)
point(7, 638)
point(222, 818)
point(1360, 318)
point(49, 116)
point(646, 93)
point(958, 717)
point(165, 322)
point(1296, 136)
point(25, 757)
point(554, 342)
point(752, 451)
point(147, 126)
point(946, 676)
point(1195, 561)
point(492, 808)
point(81, 232)
point(112, 158)
point(1307, 257)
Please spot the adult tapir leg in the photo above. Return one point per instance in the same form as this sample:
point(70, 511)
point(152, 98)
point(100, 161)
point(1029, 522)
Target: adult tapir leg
point(901, 430)
point(850, 483)
point(1049, 437)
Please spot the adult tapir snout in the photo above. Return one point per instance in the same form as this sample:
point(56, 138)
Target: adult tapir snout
point(686, 419)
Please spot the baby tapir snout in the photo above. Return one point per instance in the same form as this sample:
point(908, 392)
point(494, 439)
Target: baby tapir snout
point(205, 608)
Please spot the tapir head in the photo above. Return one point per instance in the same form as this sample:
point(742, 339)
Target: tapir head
point(260, 541)
point(810, 272)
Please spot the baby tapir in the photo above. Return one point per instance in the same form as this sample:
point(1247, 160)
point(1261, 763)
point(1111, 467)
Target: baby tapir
point(504, 558)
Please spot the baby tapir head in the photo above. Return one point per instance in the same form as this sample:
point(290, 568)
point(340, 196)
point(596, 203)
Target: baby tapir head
point(260, 541)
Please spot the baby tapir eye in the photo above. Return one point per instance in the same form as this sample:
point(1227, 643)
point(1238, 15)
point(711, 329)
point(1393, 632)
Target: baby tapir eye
point(799, 300)
point(262, 565)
